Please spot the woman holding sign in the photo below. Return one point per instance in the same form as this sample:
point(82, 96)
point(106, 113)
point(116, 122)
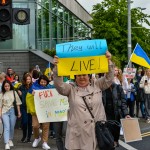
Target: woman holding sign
point(81, 127)
point(41, 83)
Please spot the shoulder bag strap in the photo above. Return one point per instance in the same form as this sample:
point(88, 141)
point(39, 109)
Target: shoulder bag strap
point(113, 122)
point(84, 99)
point(14, 96)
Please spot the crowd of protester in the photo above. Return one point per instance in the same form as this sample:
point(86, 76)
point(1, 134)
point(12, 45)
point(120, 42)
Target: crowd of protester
point(111, 96)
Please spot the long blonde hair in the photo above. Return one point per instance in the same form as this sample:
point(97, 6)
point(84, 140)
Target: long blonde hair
point(119, 75)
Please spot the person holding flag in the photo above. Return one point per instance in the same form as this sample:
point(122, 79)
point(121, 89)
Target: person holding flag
point(140, 57)
point(48, 70)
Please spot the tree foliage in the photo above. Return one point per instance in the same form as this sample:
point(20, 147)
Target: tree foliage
point(110, 22)
point(49, 52)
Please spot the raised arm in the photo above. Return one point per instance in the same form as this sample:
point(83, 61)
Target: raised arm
point(107, 80)
point(62, 87)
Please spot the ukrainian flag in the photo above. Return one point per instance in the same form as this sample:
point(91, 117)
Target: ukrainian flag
point(140, 57)
point(48, 70)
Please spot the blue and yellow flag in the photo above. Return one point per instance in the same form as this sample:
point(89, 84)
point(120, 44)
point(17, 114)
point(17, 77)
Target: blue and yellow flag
point(48, 70)
point(140, 57)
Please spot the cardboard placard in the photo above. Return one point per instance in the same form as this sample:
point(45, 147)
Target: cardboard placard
point(50, 106)
point(129, 72)
point(131, 130)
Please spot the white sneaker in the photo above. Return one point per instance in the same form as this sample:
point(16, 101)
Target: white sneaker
point(36, 142)
point(121, 131)
point(148, 121)
point(45, 146)
point(11, 144)
point(7, 146)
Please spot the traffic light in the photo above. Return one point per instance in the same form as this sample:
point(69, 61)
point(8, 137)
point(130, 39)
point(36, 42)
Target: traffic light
point(5, 19)
point(21, 16)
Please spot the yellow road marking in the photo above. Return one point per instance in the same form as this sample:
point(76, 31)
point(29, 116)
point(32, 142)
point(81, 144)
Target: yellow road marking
point(145, 134)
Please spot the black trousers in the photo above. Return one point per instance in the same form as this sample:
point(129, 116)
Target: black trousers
point(26, 122)
point(115, 131)
point(131, 104)
point(60, 132)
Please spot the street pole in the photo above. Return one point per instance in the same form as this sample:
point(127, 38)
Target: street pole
point(129, 33)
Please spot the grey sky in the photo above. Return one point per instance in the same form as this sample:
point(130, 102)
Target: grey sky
point(88, 4)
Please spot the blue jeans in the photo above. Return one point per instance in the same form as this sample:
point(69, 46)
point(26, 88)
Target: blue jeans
point(9, 121)
point(142, 107)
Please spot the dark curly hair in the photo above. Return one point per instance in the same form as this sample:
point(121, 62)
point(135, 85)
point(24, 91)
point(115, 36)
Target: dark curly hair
point(44, 77)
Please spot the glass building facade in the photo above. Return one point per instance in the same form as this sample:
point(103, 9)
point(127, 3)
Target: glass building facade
point(50, 23)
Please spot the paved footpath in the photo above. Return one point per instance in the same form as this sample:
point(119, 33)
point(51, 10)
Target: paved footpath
point(145, 127)
point(26, 146)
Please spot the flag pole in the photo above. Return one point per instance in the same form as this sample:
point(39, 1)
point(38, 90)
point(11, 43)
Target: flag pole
point(49, 68)
point(131, 56)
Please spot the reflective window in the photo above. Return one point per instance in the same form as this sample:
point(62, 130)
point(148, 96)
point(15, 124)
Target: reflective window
point(66, 15)
point(54, 31)
point(59, 31)
point(59, 26)
point(60, 11)
point(54, 6)
point(51, 23)
point(45, 19)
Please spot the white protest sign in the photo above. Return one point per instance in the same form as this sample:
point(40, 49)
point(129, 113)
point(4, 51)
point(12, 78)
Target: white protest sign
point(50, 106)
point(129, 72)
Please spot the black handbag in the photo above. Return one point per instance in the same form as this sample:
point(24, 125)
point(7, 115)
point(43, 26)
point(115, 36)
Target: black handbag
point(104, 137)
point(15, 105)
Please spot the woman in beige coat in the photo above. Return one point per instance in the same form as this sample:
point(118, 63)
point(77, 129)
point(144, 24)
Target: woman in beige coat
point(80, 133)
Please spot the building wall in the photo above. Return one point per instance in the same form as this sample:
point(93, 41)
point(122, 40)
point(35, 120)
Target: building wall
point(21, 62)
point(36, 60)
point(18, 61)
point(77, 9)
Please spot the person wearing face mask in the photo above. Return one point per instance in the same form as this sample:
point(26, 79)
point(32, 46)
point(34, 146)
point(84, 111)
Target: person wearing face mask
point(80, 132)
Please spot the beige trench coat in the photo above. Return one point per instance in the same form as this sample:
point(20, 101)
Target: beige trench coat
point(80, 132)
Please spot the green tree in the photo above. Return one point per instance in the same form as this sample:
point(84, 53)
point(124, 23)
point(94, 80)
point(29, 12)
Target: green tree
point(51, 53)
point(110, 22)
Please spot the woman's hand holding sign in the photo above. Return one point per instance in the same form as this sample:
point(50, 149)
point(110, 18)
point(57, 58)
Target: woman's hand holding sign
point(108, 56)
point(55, 60)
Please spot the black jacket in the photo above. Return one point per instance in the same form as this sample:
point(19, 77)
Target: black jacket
point(119, 101)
